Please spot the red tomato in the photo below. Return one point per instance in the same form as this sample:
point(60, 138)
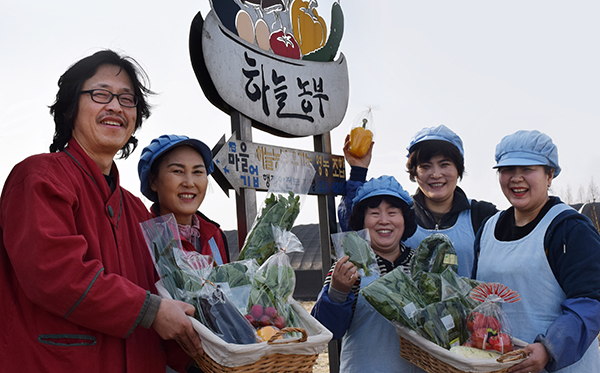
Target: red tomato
point(501, 343)
point(480, 338)
point(284, 45)
point(492, 323)
point(475, 321)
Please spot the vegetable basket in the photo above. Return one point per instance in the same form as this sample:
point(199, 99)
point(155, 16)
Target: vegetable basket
point(435, 359)
point(297, 354)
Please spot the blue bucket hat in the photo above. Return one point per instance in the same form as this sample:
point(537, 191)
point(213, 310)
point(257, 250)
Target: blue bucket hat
point(158, 147)
point(440, 132)
point(527, 148)
point(382, 186)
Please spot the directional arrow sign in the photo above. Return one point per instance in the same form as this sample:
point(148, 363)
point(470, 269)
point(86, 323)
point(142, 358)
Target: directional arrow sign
point(245, 164)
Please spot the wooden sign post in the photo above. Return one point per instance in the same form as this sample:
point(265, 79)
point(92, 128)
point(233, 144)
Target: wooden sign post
point(273, 67)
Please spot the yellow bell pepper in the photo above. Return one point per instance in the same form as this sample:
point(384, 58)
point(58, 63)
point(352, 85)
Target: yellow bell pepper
point(360, 140)
point(310, 29)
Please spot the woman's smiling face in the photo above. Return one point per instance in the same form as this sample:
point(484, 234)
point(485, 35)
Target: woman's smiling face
point(437, 178)
point(525, 187)
point(180, 183)
point(386, 227)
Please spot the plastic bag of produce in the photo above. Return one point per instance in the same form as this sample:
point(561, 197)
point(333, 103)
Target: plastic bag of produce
point(358, 247)
point(292, 179)
point(488, 325)
point(395, 296)
point(434, 254)
point(443, 323)
point(184, 273)
point(362, 133)
point(270, 298)
point(430, 285)
point(222, 317)
point(235, 280)
point(453, 285)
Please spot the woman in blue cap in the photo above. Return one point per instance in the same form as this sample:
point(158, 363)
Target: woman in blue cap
point(436, 163)
point(369, 341)
point(173, 173)
point(548, 253)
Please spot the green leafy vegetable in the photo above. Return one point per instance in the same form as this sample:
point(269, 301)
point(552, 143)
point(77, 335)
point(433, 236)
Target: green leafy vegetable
point(443, 323)
point(394, 296)
point(359, 251)
point(434, 254)
point(278, 211)
point(234, 273)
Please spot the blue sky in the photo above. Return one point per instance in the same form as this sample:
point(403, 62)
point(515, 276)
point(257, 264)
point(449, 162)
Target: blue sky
point(484, 69)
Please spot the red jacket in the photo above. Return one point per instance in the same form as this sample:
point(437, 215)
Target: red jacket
point(211, 237)
point(75, 272)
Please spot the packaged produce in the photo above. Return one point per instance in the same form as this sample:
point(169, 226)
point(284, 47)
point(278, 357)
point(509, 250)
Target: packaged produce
point(273, 285)
point(395, 296)
point(453, 285)
point(184, 273)
point(292, 179)
point(443, 323)
point(430, 285)
point(235, 280)
point(357, 246)
point(488, 325)
point(361, 133)
point(434, 254)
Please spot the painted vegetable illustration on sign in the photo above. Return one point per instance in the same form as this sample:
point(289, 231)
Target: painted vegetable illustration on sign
point(287, 28)
point(309, 28)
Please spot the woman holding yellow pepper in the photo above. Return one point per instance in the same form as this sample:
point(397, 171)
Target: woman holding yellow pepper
point(436, 163)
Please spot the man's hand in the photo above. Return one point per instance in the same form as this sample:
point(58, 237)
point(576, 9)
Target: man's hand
point(171, 322)
point(352, 160)
point(537, 359)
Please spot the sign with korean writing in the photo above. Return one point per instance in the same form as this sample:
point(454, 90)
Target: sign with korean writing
point(276, 81)
point(249, 165)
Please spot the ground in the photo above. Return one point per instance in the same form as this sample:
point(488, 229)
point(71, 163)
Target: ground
point(322, 365)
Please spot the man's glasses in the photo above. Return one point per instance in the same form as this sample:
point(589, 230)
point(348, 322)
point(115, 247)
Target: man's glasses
point(102, 96)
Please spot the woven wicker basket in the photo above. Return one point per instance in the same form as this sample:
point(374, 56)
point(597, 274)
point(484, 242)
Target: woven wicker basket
point(427, 362)
point(274, 363)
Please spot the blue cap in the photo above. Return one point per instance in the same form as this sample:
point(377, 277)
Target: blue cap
point(527, 148)
point(440, 132)
point(382, 186)
point(158, 147)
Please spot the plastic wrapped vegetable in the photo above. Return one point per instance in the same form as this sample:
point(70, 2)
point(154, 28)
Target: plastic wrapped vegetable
point(488, 325)
point(235, 280)
point(395, 296)
point(430, 286)
point(434, 254)
point(222, 317)
point(453, 285)
point(443, 323)
point(361, 134)
point(273, 285)
point(356, 245)
point(292, 179)
point(184, 276)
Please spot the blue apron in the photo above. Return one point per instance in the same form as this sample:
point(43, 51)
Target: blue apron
point(522, 266)
point(371, 343)
point(460, 234)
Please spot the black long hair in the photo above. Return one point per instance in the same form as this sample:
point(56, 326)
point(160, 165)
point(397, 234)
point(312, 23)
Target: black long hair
point(357, 217)
point(64, 110)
